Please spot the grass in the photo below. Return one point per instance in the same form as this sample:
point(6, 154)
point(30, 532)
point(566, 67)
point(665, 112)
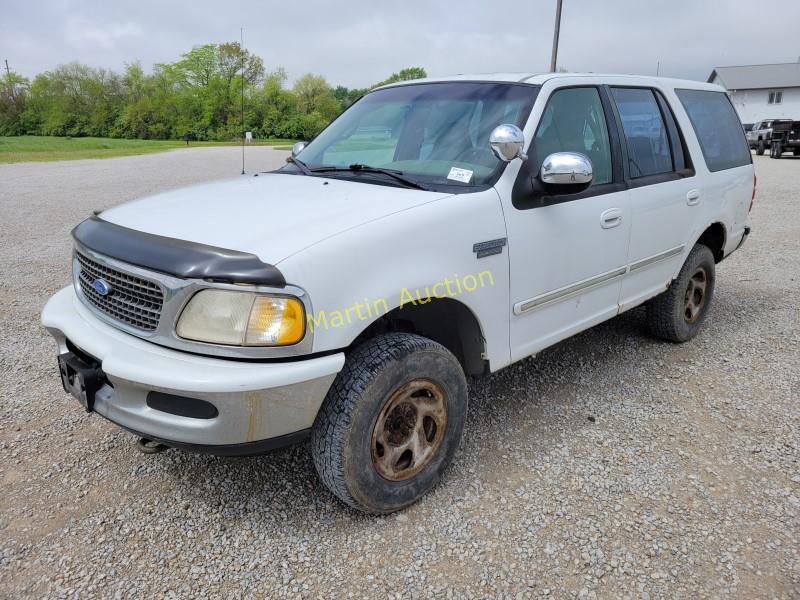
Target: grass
point(28, 148)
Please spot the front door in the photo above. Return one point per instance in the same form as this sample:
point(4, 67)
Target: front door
point(568, 253)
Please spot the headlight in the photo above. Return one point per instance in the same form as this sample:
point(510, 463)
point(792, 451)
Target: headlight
point(242, 319)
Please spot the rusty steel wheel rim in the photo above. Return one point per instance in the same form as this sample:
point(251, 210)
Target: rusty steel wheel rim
point(695, 298)
point(409, 430)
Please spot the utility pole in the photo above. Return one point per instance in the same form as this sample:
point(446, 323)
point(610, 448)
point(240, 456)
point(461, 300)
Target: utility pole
point(10, 83)
point(556, 32)
point(241, 51)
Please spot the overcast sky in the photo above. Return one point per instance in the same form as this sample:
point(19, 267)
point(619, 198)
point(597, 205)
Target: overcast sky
point(358, 42)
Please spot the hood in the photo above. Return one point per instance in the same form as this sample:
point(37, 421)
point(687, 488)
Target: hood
point(272, 216)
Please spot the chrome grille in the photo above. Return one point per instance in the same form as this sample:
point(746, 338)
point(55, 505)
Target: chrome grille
point(133, 301)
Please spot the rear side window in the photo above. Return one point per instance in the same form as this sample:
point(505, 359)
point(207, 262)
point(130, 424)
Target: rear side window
point(717, 127)
point(646, 136)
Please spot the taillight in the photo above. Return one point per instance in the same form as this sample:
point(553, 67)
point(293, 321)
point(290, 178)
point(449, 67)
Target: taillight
point(753, 197)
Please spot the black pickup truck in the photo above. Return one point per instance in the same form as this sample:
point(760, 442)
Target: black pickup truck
point(785, 137)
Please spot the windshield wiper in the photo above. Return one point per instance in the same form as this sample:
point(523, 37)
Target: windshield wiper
point(361, 168)
point(300, 164)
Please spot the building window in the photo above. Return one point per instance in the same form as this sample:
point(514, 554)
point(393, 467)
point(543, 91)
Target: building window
point(775, 97)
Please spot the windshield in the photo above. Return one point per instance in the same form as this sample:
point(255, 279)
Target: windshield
point(436, 134)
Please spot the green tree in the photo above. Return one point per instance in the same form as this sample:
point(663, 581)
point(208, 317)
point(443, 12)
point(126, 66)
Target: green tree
point(272, 105)
point(198, 96)
point(233, 65)
point(74, 99)
point(13, 98)
point(198, 66)
point(404, 75)
point(314, 95)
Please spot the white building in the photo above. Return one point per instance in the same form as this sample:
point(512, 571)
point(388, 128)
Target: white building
point(762, 91)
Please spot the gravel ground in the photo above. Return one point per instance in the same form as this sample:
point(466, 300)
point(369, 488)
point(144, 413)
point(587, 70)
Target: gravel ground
point(612, 465)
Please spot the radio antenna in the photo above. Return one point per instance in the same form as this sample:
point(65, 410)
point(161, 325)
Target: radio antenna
point(241, 51)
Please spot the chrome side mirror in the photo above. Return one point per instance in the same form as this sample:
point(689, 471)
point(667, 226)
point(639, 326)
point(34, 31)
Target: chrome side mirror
point(298, 148)
point(507, 142)
point(567, 169)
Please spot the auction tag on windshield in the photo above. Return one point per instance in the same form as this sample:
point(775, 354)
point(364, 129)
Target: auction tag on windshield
point(462, 175)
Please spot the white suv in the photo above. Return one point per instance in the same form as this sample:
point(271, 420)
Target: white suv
point(438, 229)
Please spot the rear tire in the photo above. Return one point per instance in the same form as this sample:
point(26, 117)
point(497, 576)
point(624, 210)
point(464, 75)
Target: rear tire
point(391, 422)
point(761, 148)
point(796, 152)
point(677, 314)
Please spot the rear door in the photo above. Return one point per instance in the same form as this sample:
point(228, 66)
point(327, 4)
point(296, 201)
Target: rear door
point(666, 194)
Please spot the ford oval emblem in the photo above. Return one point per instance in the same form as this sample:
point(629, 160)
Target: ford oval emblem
point(102, 287)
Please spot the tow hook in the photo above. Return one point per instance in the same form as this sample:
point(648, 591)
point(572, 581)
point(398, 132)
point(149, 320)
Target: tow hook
point(148, 446)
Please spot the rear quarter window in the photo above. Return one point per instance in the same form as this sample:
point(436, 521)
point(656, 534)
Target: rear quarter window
point(717, 127)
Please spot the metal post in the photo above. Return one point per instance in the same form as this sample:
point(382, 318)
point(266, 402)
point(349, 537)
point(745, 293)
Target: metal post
point(241, 50)
point(556, 32)
point(10, 83)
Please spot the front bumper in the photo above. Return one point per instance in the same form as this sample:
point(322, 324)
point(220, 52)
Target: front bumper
point(255, 402)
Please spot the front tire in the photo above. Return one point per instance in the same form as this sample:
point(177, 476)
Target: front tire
point(677, 314)
point(391, 422)
point(761, 148)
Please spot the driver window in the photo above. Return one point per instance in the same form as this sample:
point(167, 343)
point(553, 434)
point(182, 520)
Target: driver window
point(574, 121)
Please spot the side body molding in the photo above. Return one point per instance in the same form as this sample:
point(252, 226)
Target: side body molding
point(586, 284)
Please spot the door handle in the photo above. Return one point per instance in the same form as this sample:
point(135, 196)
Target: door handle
point(610, 218)
point(693, 197)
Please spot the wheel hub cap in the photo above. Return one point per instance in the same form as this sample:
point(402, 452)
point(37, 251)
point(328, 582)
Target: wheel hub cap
point(695, 298)
point(409, 430)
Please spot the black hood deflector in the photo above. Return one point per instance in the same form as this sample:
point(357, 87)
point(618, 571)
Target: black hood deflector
point(187, 260)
